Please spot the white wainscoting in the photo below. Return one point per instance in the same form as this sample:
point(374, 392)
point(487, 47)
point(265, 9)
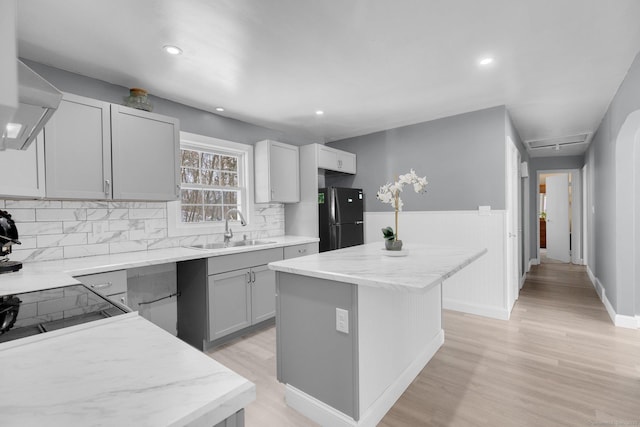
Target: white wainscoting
point(479, 288)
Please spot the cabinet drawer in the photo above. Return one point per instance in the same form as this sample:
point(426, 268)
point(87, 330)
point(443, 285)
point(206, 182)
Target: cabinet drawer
point(300, 250)
point(220, 264)
point(109, 283)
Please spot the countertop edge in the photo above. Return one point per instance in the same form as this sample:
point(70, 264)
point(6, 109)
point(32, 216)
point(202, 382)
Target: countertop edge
point(49, 274)
point(387, 283)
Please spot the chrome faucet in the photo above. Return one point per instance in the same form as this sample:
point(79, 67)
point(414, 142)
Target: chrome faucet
point(228, 233)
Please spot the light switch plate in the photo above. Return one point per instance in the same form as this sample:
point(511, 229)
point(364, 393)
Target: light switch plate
point(342, 320)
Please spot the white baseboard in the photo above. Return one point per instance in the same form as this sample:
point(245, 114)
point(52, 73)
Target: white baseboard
point(487, 311)
point(326, 415)
point(523, 279)
point(631, 322)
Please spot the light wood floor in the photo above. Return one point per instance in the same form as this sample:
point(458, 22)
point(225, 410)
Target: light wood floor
point(558, 361)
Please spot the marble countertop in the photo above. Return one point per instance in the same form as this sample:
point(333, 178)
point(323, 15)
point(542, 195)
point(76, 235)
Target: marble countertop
point(48, 274)
point(115, 372)
point(420, 267)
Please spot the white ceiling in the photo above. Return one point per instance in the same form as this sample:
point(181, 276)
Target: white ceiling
point(369, 64)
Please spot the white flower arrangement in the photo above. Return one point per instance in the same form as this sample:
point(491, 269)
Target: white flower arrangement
point(390, 193)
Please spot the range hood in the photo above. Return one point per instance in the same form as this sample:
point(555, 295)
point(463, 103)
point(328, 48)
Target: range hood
point(37, 101)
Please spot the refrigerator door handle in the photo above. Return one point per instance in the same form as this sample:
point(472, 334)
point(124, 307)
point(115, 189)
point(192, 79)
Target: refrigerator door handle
point(334, 240)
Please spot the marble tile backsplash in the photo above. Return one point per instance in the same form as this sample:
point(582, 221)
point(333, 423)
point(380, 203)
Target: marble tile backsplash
point(55, 229)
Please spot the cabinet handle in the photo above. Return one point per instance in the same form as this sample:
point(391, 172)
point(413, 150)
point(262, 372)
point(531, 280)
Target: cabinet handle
point(253, 277)
point(339, 164)
point(248, 277)
point(107, 186)
point(178, 191)
point(123, 300)
point(301, 251)
point(102, 285)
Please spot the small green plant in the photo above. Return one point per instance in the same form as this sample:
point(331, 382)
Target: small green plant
point(388, 233)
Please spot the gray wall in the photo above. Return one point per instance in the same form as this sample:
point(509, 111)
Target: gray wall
point(463, 158)
point(191, 119)
point(601, 157)
point(538, 164)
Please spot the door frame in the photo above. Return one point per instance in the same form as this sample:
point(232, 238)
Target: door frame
point(576, 212)
point(513, 236)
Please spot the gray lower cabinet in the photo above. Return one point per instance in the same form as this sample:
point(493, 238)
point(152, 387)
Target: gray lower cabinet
point(239, 299)
point(222, 295)
point(263, 294)
point(229, 299)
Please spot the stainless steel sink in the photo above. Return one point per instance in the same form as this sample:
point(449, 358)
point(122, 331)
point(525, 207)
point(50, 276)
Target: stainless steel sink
point(220, 245)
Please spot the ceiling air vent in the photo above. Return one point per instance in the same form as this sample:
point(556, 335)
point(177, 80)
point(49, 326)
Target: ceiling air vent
point(557, 143)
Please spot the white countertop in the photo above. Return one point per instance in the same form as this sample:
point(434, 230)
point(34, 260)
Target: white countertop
point(118, 371)
point(421, 267)
point(121, 371)
point(48, 274)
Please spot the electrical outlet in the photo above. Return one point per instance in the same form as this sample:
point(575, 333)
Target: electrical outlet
point(342, 320)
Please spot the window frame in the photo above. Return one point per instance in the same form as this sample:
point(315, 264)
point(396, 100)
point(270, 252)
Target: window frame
point(175, 226)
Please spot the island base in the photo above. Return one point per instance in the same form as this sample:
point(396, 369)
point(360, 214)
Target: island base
point(352, 378)
point(326, 415)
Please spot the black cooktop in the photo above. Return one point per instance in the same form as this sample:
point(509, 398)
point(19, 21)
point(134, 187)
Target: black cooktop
point(31, 313)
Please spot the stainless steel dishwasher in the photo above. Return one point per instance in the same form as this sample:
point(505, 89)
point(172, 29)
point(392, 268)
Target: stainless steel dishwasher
point(152, 292)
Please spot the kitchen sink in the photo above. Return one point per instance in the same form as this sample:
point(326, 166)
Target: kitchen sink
point(220, 245)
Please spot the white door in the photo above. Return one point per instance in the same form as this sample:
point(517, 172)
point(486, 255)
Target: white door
point(558, 217)
point(513, 261)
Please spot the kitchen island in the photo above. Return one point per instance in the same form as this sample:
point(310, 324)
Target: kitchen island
point(355, 326)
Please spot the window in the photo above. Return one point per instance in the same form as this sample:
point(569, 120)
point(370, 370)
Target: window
point(215, 176)
point(211, 182)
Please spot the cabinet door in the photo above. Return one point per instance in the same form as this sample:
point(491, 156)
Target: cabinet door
point(263, 294)
point(146, 155)
point(284, 173)
point(346, 162)
point(327, 158)
point(229, 302)
point(25, 170)
point(77, 150)
point(277, 172)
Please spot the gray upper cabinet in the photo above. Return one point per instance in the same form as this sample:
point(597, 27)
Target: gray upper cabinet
point(146, 155)
point(78, 150)
point(25, 169)
point(97, 150)
point(277, 172)
point(336, 160)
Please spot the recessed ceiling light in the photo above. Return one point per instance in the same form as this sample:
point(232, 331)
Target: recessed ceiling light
point(172, 50)
point(220, 109)
point(319, 113)
point(486, 61)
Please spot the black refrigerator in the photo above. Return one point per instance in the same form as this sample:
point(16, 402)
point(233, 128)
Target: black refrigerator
point(341, 217)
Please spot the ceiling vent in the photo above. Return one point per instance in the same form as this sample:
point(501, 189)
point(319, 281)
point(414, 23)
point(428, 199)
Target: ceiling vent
point(558, 143)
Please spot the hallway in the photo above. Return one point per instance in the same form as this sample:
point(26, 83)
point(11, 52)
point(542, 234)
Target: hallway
point(558, 361)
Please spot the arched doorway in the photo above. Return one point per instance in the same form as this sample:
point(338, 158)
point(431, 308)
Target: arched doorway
point(628, 216)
